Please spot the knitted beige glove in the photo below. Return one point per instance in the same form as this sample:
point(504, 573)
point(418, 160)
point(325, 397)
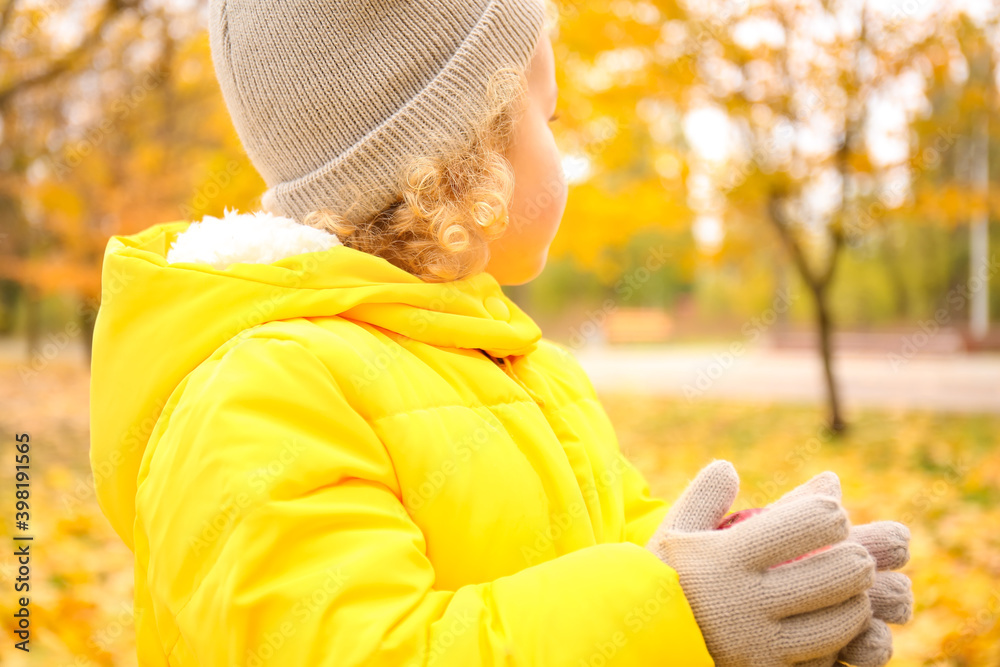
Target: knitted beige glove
point(753, 614)
point(891, 595)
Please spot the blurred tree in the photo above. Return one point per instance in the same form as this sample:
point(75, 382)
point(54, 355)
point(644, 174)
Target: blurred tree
point(953, 185)
point(610, 106)
point(797, 114)
point(38, 50)
point(140, 137)
point(40, 58)
point(800, 85)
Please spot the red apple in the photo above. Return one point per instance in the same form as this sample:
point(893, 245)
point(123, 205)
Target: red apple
point(731, 520)
point(738, 517)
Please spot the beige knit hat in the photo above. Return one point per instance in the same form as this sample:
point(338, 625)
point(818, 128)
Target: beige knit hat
point(331, 98)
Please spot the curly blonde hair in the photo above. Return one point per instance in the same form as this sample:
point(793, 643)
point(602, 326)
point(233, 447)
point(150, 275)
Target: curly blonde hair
point(451, 203)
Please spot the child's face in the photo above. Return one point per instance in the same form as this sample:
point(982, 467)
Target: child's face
point(539, 186)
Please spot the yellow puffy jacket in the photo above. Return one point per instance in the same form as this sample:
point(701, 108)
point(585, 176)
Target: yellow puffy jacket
point(323, 460)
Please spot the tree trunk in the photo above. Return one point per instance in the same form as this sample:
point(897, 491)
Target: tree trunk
point(898, 282)
point(32, 321)
point(10, 294)
point(824, 325)
point(818, 287)
point(87, 320)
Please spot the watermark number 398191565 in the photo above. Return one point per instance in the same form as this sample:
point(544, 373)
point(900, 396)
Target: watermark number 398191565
point(22, 540)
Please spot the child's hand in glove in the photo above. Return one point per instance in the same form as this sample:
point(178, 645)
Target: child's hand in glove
point(749, 612)
point(891, 595)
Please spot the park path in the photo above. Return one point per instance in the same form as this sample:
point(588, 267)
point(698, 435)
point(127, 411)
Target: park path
point(947, 383)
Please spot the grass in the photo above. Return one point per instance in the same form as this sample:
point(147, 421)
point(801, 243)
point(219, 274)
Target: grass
point(940, 474)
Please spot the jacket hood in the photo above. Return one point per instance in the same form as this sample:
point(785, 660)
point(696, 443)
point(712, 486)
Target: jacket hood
point(176, 292)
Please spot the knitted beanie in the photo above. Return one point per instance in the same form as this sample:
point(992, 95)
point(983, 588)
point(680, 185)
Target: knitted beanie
point(332, 98)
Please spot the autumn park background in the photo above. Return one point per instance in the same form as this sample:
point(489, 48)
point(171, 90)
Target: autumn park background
point(781, 248)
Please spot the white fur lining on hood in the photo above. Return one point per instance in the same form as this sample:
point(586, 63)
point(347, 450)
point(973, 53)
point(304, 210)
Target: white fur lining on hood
point(252, 238)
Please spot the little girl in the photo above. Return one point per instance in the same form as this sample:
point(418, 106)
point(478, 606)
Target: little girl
point(330, 439)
